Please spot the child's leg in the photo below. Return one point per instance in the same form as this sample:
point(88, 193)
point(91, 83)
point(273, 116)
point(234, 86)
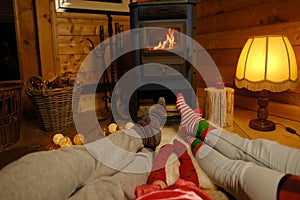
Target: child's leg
point(187, 170)
point(158, 172)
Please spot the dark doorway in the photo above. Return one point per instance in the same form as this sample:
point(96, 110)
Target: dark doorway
point(9, 64)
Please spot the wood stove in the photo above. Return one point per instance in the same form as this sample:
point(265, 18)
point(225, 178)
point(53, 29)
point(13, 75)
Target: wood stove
point(172, 19)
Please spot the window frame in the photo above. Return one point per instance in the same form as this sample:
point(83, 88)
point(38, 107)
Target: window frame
point(64, 5)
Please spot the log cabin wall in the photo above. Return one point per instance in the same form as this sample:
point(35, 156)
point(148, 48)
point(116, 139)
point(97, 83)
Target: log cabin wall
point(70, 33)
point(53, 42)
point(73, 32)
point(223, 27)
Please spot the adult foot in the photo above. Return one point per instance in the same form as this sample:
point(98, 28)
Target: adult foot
point(189, 118)
point(149, 127)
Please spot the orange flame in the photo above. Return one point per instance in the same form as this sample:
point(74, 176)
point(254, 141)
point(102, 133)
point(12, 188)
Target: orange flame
point(169, 42)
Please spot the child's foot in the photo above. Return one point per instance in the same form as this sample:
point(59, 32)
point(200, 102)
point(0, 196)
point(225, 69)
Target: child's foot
point(189, 118)
point(158, 171)
point(187, 170)
point(179, 147)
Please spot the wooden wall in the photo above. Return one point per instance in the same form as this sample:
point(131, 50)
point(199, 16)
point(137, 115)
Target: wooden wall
point(53, 42)
point(223, 27)
point(69, 33)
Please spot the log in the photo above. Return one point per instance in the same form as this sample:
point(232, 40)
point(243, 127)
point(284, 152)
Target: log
point(219, 106)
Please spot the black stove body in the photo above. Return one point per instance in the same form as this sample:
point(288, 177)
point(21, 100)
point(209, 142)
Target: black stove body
point(176, 18)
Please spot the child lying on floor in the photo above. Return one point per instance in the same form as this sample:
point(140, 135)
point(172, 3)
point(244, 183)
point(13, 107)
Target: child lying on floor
point(186, 187)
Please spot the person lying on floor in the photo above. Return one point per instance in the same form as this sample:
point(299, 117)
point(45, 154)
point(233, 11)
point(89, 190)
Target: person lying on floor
point(75, 172)
point(248, 169)
point(256, 169)
point(186, 187)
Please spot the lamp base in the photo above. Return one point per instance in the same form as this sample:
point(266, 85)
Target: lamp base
point(262, 125)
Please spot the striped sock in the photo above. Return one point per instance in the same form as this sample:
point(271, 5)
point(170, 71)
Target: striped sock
point(194, 142)
point(195, 146)
point(189, 139)
point(203, 128)
point(150, 132)
point(189, 118)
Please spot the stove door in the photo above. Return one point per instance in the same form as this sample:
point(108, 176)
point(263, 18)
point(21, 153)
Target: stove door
point(162, 70)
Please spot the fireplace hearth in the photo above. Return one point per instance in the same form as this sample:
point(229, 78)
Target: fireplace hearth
point(172, 19)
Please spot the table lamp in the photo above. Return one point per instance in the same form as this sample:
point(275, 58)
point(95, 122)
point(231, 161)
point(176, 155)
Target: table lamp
point(267, 63)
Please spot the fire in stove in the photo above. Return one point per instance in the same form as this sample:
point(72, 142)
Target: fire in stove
point(170, 41)
point(162, 40)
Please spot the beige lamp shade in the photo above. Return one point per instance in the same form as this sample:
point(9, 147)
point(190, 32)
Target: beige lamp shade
point(267, 63)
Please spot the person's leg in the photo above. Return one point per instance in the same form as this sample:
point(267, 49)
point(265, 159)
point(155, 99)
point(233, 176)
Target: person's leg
point(263, 152)
point(244, 180)
point(122, 146)
point(187, 170)
point(157, 177)
point(120, 185)
point(129, 169)
point(260, 151)
point(47, 175)
point(57, 174)
point(158, 173)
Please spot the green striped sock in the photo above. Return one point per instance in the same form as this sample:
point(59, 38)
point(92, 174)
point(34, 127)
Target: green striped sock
point(203, 128)
point(195, 146)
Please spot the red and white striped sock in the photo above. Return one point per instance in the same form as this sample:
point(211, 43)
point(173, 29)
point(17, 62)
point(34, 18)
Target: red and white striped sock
point(189, 118)
point(189, 139)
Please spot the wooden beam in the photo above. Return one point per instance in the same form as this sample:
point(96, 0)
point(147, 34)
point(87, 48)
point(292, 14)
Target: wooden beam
point(27, 45)
point(45, 35)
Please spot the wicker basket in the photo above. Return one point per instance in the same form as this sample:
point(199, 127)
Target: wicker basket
point(10, 113)
point(54, 106)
